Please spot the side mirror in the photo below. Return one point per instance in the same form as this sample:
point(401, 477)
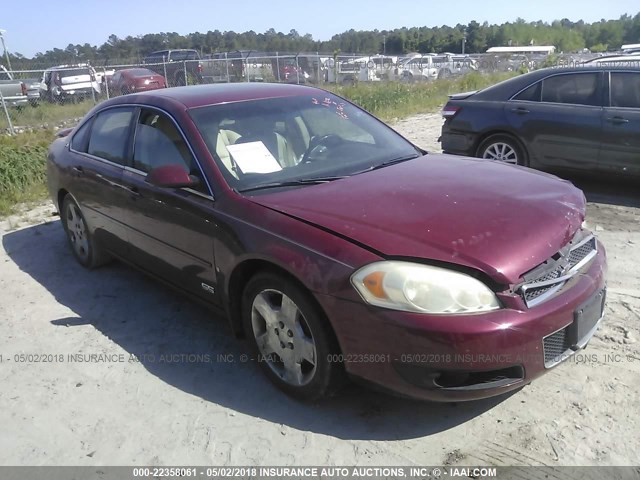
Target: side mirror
point(171, 176)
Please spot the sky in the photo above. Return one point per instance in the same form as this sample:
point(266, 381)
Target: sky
point(57, 24)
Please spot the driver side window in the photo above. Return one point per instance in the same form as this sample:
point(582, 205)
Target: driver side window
point(158, 143)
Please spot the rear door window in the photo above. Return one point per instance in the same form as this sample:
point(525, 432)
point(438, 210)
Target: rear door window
point(530, 94)
point(572, 88)
point(625, 89)
point(110, 134)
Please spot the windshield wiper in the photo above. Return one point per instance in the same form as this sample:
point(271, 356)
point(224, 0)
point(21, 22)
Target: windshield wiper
point(393, 161)
point(292, 183)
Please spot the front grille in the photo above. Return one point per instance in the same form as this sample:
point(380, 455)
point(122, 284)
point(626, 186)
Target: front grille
point(548, 278)
point(580, 252)
point(531, 294)
point(555, 345)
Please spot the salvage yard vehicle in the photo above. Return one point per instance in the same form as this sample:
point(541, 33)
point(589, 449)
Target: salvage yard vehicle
point(131, 80)
point(14, 90)
point(332, 243)
point(432, 66)
point(179, 66)
point(361, 69)
point(583, 119)
point(253, 66)
point(70, 82)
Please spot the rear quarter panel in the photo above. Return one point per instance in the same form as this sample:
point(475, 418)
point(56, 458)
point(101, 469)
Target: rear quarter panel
point(476, 120)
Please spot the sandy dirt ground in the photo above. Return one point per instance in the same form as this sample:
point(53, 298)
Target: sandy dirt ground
point(143, 400)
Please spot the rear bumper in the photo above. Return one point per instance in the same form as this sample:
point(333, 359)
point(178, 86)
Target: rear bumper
point(458, 143)
point(466, 357)
point(17, 101)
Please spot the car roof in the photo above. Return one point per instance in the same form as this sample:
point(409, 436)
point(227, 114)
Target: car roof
point(510, 87)
point(202, 95)
point(173, 50)
point(68, 67)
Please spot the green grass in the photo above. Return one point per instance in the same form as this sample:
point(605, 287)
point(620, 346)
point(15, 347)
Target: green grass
point(49, 114)
point(22, 157)
point(22, 168)
point(392, 101)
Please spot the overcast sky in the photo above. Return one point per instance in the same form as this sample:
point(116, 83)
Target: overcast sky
point(42, 25)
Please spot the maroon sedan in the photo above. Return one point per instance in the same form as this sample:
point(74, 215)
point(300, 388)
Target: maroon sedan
point(132, 80)
point(331, 243)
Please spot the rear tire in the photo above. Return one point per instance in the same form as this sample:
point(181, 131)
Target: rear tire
point(503, 148)
point(83, 245)
point(290, 337)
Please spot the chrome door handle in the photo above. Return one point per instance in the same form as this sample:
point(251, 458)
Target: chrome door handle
point(617, 120)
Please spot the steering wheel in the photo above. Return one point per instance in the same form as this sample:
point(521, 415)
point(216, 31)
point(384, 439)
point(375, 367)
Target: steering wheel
point(319, 146)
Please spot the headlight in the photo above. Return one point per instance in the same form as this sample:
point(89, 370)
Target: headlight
point(412, 287)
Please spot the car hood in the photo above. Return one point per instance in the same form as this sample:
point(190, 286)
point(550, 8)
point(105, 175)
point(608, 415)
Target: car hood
point(500, 219)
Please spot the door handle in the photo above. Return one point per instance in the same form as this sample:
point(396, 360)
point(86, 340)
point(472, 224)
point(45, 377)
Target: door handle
point(519, 110)
point(78, 170)
point(617, 120)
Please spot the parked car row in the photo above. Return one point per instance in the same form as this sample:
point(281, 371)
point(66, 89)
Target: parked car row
point(65, 83)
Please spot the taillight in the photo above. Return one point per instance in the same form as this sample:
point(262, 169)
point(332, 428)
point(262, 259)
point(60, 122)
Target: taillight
point(449, 111)
point(199, 68)
point(24, 88)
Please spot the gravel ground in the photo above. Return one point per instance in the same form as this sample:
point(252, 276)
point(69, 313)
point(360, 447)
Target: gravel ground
point(151, 404)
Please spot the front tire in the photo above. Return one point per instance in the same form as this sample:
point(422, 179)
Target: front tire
point(503, 148)
point(290, 337)
point(83, 245)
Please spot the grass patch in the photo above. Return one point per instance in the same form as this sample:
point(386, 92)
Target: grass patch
point(47, 114)
point(393, 101)
point(22, 168)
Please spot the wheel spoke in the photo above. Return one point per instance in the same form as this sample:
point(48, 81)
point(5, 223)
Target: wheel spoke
point(288, 312)
point(266, 342)
point(292, 371)
point(262, 305)
point(83, 246)
point(71, 215)
point(305, 350)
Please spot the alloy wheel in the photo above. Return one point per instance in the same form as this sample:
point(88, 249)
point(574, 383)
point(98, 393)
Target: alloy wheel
point(283, 337)
point(77, 231)
point(502, 152)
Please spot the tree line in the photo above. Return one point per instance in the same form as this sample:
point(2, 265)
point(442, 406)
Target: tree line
point(566, 35)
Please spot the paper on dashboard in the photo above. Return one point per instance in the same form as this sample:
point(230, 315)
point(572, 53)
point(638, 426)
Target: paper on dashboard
point(253, 157)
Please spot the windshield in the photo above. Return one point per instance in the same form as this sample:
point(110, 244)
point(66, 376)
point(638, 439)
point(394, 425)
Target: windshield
point(141, 72)
point(281, 140)
point(74, 72)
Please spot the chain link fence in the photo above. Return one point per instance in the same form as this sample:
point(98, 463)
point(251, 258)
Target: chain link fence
point(56, 96)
